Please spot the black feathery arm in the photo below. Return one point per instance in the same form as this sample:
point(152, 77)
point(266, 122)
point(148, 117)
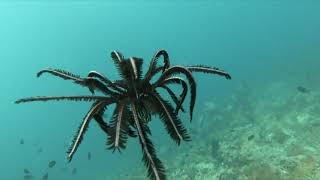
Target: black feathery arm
point(132, 75)
point(132, 133)
point(107, 81)
point(143, 111)
point(173, 97)
point(154, 165)
point(138, 63)
point(120, 64)
point(153, 69)
point(105, 127)
point(102, 124)
point(83, 128)
point(96, 84)
point(117, 57)
point(133, 68)
point(127, 69)
point(118, 132)
point(121, 83)
point(182, 82)
point(60, 73)
point(67, 76)
point(170, 119)
point(209, 70)
point(99, 119)
point(192, 83)
point(60, 98)
point(165, 56)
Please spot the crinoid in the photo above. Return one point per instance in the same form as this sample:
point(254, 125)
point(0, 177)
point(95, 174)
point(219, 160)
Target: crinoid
point(136, 99)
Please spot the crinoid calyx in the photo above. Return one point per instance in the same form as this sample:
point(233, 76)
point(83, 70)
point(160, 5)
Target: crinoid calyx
point(136, 100)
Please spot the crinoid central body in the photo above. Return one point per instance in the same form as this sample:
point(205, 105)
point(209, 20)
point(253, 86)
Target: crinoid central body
point(136, 100)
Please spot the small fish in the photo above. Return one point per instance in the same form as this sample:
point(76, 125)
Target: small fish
point(51, 164)
point(303, 89)
point(74, 171)
point(250, 137)
point(45, 176)
point(21, 141)
point(28, 177)
point(26, 171)
point(89, 155)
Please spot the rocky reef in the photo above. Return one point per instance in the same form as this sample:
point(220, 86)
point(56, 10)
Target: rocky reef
point(270, 133)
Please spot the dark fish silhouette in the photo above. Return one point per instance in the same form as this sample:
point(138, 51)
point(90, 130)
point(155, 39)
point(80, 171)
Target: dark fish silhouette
point(21, 141)
point(74, 171)
point(28, 177)
point(89, 156)
point(303, 89)
point(45, 176)
point(51, 164)
point(26, 171)
point(250, 137)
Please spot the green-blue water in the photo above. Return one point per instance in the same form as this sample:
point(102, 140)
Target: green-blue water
point(257, 42)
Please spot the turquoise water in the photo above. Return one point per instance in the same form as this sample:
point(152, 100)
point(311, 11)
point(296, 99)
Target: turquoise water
point(257, 42)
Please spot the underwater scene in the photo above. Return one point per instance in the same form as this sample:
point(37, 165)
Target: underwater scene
point(155, 90)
